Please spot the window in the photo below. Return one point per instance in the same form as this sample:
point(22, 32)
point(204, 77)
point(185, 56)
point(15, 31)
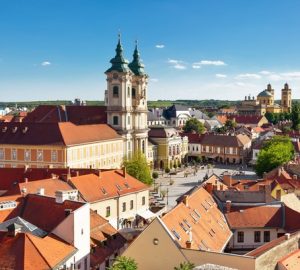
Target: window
point(133, 92)
point(14, 154)
point(183, 227)
point(115, 120)
point(54, 155)
point(107, 211)
point(124, 206)
point(115, 91)
point(128, 92)
point(176, 234)
point(128, 120)
point(39, 155)
point(131, 204)
point(240, 237)
point(27, 155)
point(257, 236)
point(187, 223)
point(1, 153)
point(267, 236)
point(143, 200)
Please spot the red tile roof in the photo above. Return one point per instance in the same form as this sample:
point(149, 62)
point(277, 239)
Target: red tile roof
point(225, 140)
point(246, 119)
point(11, 177)
point(291, 261)
point(54, 133)
point(110, 184)
point(44, 212)
point(76, 114)
point(201, 216)
point(255, 217)
point(102, 231)
point(26, 251)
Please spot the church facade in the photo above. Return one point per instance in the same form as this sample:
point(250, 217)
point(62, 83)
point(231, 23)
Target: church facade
point(126, 101)
point(265, 102)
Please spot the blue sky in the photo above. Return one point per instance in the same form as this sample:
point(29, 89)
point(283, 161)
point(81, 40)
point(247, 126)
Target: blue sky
point(208, 49)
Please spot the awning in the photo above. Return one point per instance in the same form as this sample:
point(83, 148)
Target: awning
point(146, 214)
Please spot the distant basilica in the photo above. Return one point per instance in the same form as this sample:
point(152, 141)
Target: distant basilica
point(265, 102)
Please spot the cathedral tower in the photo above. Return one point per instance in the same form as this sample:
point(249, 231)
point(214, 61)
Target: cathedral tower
point(286, 98)
point(126, 101)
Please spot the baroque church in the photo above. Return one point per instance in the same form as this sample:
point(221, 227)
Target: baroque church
point(126, 100)
point(265, 102)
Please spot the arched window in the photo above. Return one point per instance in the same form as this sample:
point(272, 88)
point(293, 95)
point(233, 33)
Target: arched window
point(133, 92)
point(115, 91)
point(115, 120)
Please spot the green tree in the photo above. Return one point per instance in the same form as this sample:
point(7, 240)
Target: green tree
point(185, 266)
point(123, 263)
point(295, 116)
point(274, 153)
point(154, 175)
point(230, 124)
point(194, 125)
point(137, 167)
point(167, 170)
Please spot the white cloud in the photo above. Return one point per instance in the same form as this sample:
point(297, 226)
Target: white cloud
point(265, 72)
point(196, 66)
point(221, 75)
point(177, 64)
point(160, 46)
point(240, 84)
point(291, 75)
point(45, 63)
point(210, 63)
point(154, 80)
point(248, 76)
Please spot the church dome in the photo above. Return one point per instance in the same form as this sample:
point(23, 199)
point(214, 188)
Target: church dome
point(265, 93)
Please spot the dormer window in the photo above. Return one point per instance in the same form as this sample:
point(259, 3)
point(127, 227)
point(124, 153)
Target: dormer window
point(115, 120)
point(115, 91)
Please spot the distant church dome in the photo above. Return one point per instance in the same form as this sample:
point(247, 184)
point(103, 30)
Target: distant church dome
point(265, 93)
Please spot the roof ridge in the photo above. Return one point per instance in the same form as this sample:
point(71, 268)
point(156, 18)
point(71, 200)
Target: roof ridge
point(29, 238)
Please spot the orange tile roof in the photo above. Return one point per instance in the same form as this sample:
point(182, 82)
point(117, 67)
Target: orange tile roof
point(26, 251)
point(65, 133)
point(101, 231)
point(291, 261)
point(50, 186)
point(209, 231)
point(110, 184)
point(255, 216)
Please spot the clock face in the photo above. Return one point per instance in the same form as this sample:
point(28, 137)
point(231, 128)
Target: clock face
point(115, 76)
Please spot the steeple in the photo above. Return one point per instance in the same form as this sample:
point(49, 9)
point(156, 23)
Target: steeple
point(136, 65)
point(119, 63)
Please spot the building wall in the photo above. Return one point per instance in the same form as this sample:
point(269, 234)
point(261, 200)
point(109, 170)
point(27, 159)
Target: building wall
point(103, 154)
point(249, 242)
point(224, 259)
point(117, 215)
point(33, 156)
point(75, 229)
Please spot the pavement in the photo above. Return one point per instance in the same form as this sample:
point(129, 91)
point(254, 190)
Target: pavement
point(182, 184)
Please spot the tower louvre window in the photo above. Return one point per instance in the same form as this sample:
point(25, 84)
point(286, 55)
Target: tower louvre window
point(115, 91)
point(115, 120)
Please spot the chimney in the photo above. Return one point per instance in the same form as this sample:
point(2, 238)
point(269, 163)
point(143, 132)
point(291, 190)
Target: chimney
point(98, 173)
point(77, 173)
point(13, 229)
point(26, 168)
point(41, 191)
point(185, 200)
point(26, 180)
point(209, 188)
point(124, 171)
point(190, 241)
point(68, 212)
point(227, 180)
point(287, 236)
point(268, 196)
point(228, 206)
